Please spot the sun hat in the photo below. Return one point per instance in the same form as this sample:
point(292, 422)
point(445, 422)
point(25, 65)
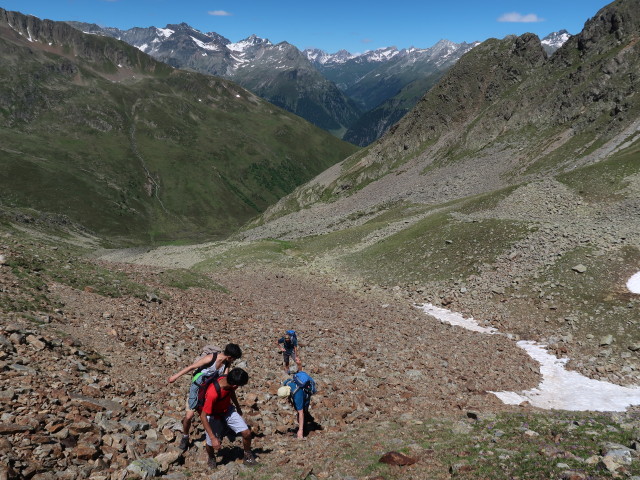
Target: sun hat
point(284, 391)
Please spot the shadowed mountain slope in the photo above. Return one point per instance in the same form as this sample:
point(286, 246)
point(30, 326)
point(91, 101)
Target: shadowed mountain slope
point(98, 131)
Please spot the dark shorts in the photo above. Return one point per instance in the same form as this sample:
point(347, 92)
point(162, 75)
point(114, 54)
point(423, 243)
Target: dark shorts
point(287, 355)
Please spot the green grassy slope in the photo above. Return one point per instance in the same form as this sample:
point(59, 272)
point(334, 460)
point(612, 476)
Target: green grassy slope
point(131, 148)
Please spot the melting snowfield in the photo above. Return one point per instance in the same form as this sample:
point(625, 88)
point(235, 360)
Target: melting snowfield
point(633, 284)
point(560, 389)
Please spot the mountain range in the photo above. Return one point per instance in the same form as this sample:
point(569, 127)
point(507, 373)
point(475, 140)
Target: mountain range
point(99, 133)
point(355, 97)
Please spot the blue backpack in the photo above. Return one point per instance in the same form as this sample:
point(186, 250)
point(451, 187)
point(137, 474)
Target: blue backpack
point(294, 337)
point(304, 381)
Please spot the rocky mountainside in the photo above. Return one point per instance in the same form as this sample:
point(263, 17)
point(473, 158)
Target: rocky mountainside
point(278, 73)
point(510, 193)
point(396, 71)
point(144, 151)
point(503, 114)
point(386, 83)
point(395, 87)
point(377, 121)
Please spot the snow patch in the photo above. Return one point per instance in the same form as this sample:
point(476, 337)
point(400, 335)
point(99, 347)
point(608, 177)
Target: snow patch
point(633, 284)
point(567, 390)
point(206, 46)
point(165, 32)
point(452, 318)
point(560, 388)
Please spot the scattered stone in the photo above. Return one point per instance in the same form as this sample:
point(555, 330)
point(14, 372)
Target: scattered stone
point(606, 340)
point(615, 456)
point(10, 429)
point(572, 475)
point(145, 468)
point(579, 268)
point(397, 458)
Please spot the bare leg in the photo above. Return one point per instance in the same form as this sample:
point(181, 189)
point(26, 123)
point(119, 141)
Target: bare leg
point(300, 424)
point(186, 422)
point(246, 440)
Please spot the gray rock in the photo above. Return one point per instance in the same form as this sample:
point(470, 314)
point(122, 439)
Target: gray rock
point(145, 468)
point(616, 456)
point(606, 340)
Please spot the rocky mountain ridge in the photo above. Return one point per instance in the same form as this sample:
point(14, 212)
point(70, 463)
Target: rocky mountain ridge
point(335, 100)
point(278, 73)
point(479, 117)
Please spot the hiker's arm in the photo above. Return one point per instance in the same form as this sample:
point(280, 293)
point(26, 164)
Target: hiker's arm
point(300, 423)
point(200, 363)
point(281, 345)
point(215, 443)
point(234, 399)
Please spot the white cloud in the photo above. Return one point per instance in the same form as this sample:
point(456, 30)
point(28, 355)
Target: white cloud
point(515, 17)
point(219, 13)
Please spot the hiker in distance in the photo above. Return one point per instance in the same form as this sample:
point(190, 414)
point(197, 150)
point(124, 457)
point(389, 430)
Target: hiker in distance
point(289, 346)
point(298, 390)
point(218, 415)
point(212, 362)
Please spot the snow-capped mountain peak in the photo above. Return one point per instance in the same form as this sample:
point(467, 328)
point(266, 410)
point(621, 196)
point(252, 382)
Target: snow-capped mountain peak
point(555, 40)
point(252, 41)
point(315, 55)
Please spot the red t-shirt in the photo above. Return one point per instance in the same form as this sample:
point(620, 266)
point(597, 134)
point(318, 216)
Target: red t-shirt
point(214, 404)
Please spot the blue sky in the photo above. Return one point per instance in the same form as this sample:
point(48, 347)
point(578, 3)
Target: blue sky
point(353, 25)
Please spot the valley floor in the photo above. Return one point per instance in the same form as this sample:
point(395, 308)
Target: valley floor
point(389, 378)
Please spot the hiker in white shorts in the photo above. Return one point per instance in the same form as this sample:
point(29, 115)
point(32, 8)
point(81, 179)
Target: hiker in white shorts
point(219, 416)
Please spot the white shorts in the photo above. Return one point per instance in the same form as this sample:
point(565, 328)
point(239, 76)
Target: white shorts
point(220, 426)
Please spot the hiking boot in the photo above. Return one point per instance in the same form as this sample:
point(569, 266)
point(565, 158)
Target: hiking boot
point(211, 463)
point(250, 459)
point(184, 444)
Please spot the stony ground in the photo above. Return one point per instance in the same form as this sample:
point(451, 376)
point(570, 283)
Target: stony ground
point(85, 391)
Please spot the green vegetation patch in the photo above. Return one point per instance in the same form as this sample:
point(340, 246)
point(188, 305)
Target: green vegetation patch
point(596, 299)
point(274, 251)
point(536, 446)
point(603, 181)
point(184, 279)
point(35, 264)
point(512, 445)
point(438, 247)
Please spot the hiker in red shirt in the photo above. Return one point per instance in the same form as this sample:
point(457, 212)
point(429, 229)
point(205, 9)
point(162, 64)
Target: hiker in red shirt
point(218, 415)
